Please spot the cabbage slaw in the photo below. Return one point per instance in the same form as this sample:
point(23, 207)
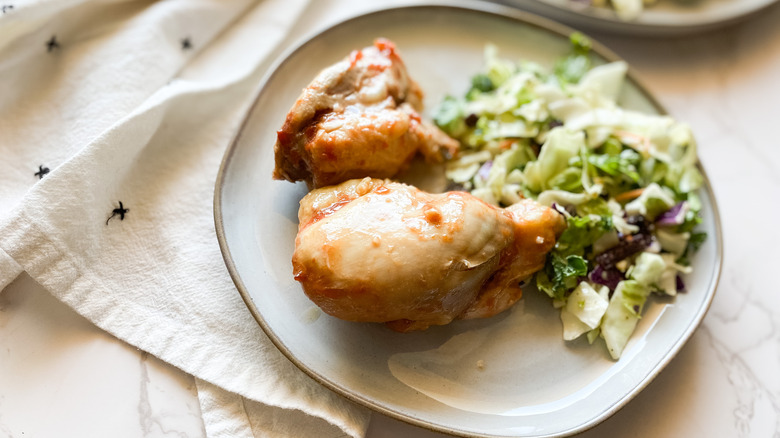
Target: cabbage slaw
point(625, 181)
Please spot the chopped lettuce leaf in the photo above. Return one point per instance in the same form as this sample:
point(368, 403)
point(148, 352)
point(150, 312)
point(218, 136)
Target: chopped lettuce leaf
point(622, 166)
point(498, 70)
point(593, 335)
point(675, 243)
point(562, 197)
point(482, 82)
point(668, 280)
point(582, 232)
point(595, 206)
point(561, 274)
point(603, 83)
point(653, 201)
point(573, 67)
point(622, 315)
point(647, 269)
point(573, 327)
point(695, 241)
point(449, 117)
point(584, 310)
point(561, 146)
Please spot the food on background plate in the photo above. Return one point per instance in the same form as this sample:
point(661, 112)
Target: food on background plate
point(359, 117)
point(626, 10)
point(625, 181)
point(373, 250)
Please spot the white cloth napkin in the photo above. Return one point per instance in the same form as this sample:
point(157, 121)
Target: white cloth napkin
point(114, 116)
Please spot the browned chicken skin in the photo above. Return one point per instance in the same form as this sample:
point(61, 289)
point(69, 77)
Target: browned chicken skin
point(377, 251)
point(359, 117)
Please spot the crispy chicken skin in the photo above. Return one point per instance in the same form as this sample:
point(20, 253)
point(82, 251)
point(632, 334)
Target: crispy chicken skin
point(359, 117)
point(372, 250)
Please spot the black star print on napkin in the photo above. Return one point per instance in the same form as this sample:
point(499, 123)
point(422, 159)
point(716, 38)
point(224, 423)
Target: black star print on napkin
point(186, 44)
point(121, 211)
point(52, 44)
point(7, 8)
point(42, 171)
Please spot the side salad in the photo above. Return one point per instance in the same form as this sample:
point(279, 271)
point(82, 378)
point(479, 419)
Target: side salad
point(625, 181)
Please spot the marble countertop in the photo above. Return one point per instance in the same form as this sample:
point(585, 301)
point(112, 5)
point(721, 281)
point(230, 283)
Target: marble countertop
point(62, 376)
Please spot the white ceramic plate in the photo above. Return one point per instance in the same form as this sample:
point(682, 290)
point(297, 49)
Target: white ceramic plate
point(665, 18)
point(531, 383)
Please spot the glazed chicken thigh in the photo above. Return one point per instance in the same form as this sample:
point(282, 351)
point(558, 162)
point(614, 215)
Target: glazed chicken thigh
point(372, 250)
point(359, 117)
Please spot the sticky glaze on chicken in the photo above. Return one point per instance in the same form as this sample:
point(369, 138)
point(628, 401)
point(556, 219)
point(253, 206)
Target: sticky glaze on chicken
point(359, 117)
point(372, 250)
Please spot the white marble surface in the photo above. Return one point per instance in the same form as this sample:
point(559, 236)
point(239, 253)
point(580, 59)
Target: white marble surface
point(62, 377)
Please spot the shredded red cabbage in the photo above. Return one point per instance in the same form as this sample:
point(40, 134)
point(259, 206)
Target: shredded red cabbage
point(484, 171)
point(680, 284)
point(673, 216)
point(645, 227)
point(607, 277)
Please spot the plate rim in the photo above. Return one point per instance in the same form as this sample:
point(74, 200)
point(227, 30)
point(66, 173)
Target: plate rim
point(496, 11)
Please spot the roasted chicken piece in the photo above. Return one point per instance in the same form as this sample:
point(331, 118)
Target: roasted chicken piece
point(372, 250)
point(359, 117)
